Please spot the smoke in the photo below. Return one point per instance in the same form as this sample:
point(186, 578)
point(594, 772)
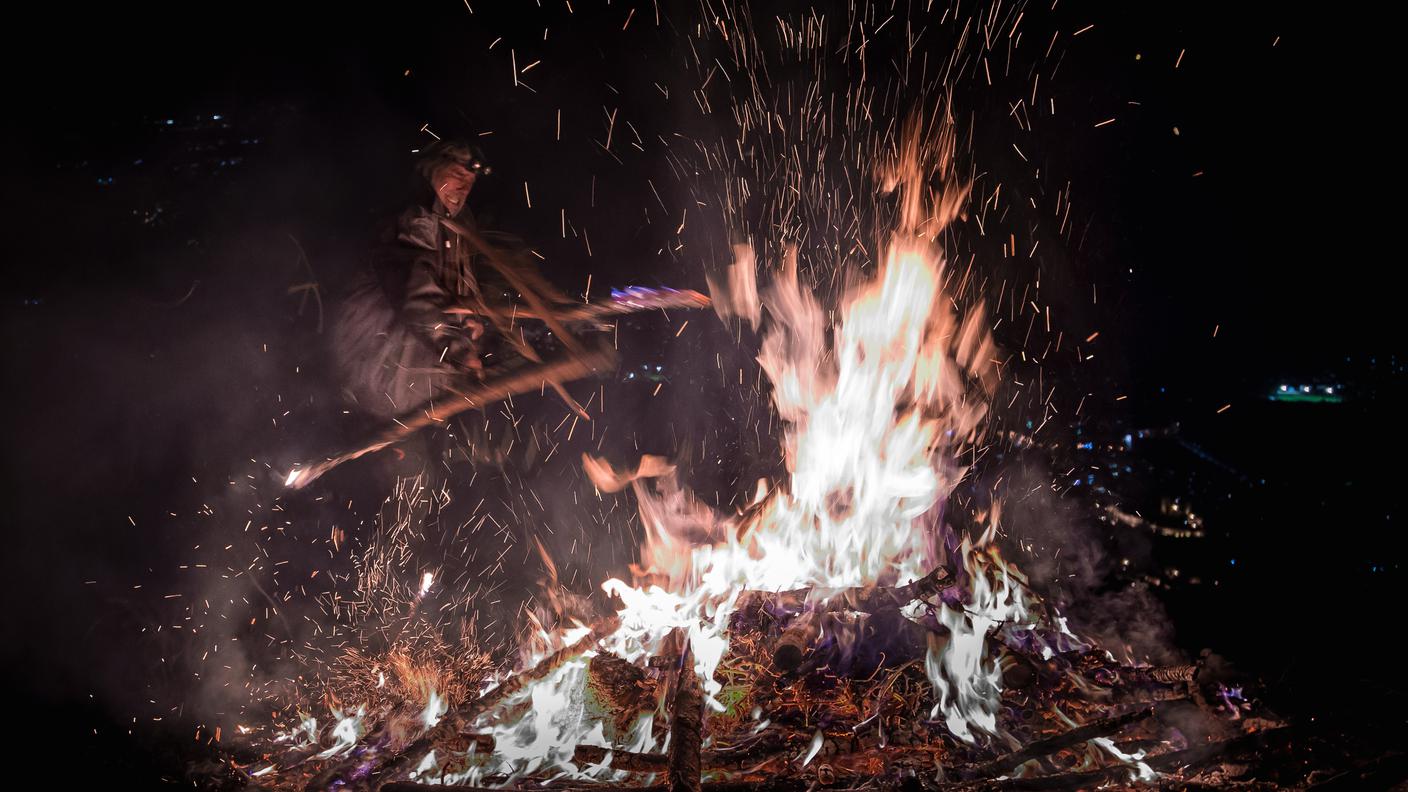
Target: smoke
point(1058, 540)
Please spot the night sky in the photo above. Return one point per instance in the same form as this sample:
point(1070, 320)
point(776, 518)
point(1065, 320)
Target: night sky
point(1229, 229)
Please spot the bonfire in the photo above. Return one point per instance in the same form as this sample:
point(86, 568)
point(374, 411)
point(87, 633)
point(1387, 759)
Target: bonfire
point(836, 632)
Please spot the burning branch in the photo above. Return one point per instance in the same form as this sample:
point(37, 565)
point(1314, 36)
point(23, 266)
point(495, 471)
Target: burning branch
point(686, 726)
point(466, 394)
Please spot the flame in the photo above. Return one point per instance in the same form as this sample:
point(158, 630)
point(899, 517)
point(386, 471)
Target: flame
point(967, 680)
point(435, 708)
point(347, 733)
point(879, 399)
point(877, 409)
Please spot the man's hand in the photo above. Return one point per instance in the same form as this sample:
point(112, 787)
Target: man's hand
point(475, 329)
point(460, 342)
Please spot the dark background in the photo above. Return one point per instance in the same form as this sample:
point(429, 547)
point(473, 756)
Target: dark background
point(154, 352)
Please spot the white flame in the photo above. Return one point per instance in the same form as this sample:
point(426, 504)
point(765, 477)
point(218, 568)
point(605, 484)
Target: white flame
point(347, 733)
point(1141, 770)
point(435, 708)
point(967, 681)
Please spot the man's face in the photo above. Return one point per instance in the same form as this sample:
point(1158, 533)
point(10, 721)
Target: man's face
point(452, 185)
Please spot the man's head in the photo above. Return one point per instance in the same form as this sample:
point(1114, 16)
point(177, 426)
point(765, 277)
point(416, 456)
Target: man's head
point(451, 167)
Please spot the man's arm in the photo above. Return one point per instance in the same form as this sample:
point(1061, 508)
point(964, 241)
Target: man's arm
point(424, 312)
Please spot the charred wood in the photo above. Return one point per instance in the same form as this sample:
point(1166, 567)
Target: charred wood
point(795, 641)
point(864, 599)
point(1050, 745)
point(1144, 694)
point(621, 760)
point(1167, 675)
point(619, 687)
point(686, 726)
point(1192, 757)
point(1017, 672)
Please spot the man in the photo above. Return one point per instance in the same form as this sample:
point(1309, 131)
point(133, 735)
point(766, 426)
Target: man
point(394, 344)
point(414, 323)
point(403, 336)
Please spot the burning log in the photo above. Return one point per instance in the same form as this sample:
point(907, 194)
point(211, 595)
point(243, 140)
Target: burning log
point(806, 627)
point(1166, 675)
point(1146, 694)
point(1050, 745)
point(1017, 672)
point(621, 760)
point(686, 726)
point(875, 599)
point(795, 641)
point(863, 599)
point(619, 687)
